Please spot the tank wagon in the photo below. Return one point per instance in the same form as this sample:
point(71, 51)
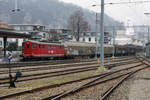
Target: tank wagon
point(68, 49)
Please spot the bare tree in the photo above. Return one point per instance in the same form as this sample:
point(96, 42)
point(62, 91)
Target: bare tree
point(78, 24)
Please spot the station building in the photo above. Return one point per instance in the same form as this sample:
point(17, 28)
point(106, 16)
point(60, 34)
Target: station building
point(36, 31)
point(7, 33)
point(3, 26)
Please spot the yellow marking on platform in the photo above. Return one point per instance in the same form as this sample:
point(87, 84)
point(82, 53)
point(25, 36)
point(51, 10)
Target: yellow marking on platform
point(100, 69)
point(113, 58)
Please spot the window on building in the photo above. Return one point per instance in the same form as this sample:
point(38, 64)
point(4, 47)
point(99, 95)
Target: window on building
point(89, 39)
point(33, 45)
point(44, 35)
point(29, 28)
point(0, 42)
point(83, 39)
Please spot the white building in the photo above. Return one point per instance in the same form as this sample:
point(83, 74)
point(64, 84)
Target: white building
point(37, 31)
point(3, 25)
point(90, 37)
point(124, 37)
point(27, 27)
point(128, 36)
point(59, 34)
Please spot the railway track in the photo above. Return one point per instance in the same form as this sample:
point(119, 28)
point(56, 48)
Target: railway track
point(37, 63)
point(56, 85)
point(48, 67)
point(79, 69)
point(97, 81)
point(110, 90)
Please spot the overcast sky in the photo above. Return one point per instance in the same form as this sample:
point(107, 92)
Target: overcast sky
point(127, 13)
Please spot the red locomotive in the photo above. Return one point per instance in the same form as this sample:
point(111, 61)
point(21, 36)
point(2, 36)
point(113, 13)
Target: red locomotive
point(34, 49)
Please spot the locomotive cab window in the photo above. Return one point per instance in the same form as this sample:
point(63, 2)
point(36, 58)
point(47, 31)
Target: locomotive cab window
point(54, 47)
point(33, 45)
point(43, 46)
point(28, 45)
point(49, 47)
point(60, 47)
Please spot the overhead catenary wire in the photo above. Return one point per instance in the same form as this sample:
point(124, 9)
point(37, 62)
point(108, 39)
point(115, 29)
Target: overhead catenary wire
point(134, 2)
point(119, 3)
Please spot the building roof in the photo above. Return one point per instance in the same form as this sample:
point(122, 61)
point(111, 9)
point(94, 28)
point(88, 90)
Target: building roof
point(148, 43)
point(4, 25)
point(13, 34)
point(25, 25)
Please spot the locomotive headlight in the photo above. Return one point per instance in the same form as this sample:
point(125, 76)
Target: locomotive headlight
point(52, 51)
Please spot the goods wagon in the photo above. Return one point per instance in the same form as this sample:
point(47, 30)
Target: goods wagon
point(78, 49)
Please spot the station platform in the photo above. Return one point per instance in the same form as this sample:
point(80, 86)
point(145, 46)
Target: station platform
point(140, 87)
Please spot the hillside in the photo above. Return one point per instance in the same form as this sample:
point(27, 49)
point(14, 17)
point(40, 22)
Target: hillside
point(47, 12)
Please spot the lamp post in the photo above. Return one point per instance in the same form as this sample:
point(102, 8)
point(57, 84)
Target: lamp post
point(16, 7)
point(147, 14)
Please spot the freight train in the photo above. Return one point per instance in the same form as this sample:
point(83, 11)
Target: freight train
point(68, 49)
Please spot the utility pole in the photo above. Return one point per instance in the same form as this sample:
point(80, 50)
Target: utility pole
point(102, 37)
point(148, 34)
point(96, 37)
point(16, 4)
point(113, 53)
point(147, 14)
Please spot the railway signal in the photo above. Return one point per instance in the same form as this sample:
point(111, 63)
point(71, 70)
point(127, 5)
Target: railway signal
point(11, 83)
point(18, 73)
point(9, 56)
point(16, 7)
